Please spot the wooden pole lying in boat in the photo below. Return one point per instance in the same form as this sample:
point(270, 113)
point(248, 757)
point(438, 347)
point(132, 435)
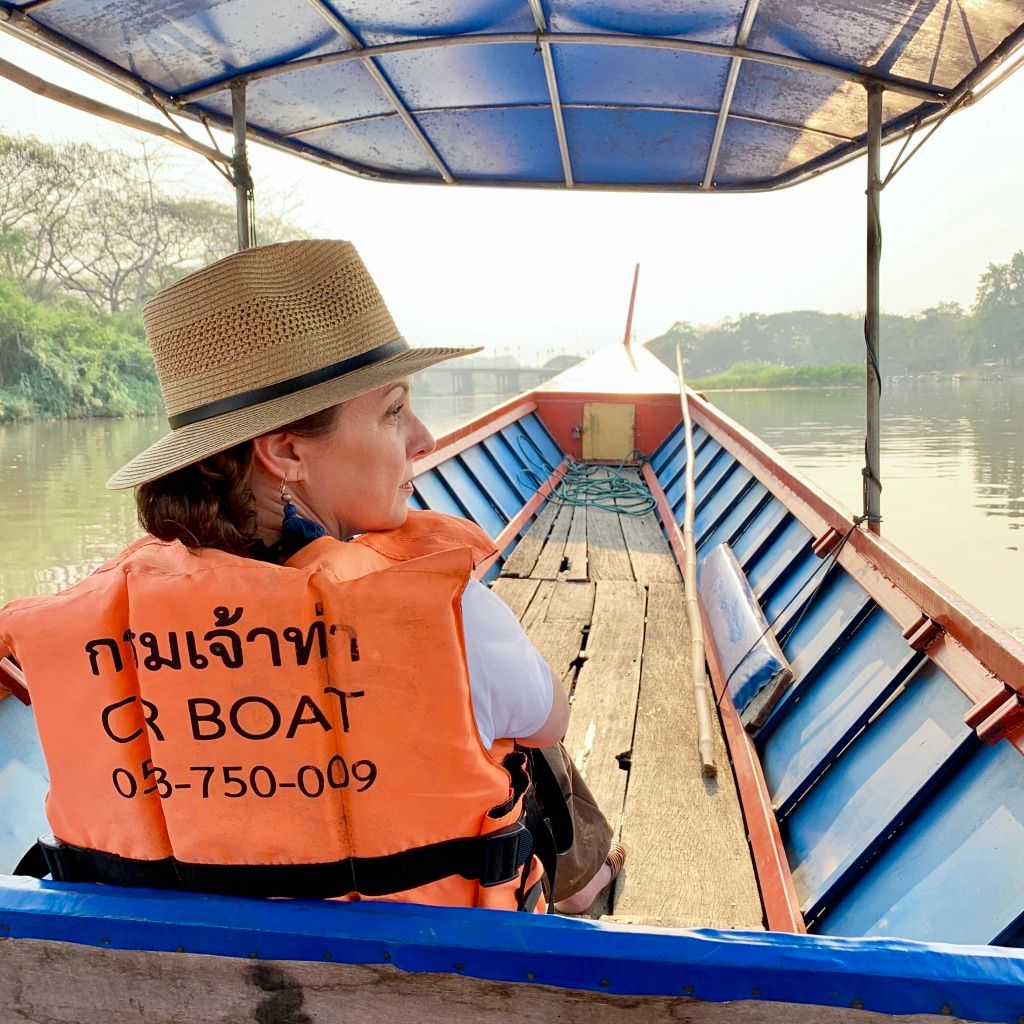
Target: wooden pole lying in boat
point(701, 691)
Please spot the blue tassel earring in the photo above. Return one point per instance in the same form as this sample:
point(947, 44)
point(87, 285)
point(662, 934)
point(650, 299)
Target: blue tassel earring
point(296, 532)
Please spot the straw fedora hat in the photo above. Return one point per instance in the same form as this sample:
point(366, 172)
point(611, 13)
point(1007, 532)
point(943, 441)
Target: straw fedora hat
point(262, 338)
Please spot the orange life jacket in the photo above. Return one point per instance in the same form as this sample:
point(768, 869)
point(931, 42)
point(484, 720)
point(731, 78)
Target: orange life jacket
point(219, 723)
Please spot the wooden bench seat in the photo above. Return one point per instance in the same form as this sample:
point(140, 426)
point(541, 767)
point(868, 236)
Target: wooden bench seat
point(600, 595)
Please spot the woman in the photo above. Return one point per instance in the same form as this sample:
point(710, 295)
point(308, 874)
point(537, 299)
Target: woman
point(291, 686)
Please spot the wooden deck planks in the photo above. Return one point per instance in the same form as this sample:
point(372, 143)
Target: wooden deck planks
point(604, 704)
point(549, 564)
point(555, 621)
point(576, 547)
point(516, 593)
point(649, 554)
point(689, 863)
point(524, 558)
point(607, 558)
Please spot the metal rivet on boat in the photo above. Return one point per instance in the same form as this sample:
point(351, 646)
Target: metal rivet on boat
point(947, 1010)
point(858, 1004)
point(604, 983)
point(530, 975)
point(6, 927)
point(755, 992)
point(687, 990)
point(327, 956)
point(106, 941)
point(179, 949)
point(387, 955)
point(460, 967)
point(254, 955)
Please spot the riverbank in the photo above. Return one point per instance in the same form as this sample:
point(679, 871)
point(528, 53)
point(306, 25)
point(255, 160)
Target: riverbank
point(63, 360)
point(764, 375)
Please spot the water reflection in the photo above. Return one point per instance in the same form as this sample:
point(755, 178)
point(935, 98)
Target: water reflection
point(60, 522)
point(952, 469)
point(952, 472)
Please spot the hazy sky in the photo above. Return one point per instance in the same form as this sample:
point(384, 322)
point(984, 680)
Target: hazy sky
point(539, 270)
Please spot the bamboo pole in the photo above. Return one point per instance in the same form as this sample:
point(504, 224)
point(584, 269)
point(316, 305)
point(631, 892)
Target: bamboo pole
point(73, 99)
point(701, 690)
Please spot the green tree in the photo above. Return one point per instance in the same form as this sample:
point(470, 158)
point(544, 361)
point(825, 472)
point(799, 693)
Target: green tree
point(998, 327)
point(93, 223)
point(63, 359)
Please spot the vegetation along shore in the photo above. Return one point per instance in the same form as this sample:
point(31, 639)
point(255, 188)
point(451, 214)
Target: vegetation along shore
point(87, 237)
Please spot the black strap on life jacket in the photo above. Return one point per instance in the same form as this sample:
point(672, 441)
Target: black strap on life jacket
point(33, 863)
point(489, 859)
point(548, 818)
point(551, 799)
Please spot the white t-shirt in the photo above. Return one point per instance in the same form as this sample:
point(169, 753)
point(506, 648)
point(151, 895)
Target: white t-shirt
point(509, 680)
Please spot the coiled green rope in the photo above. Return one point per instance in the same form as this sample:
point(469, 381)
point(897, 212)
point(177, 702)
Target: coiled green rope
point(584, 485)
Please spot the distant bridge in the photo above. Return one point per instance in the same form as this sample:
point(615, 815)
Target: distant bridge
point(452, 379)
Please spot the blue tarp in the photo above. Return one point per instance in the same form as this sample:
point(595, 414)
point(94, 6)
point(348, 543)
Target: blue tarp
point(748, 652)
point(659, 94)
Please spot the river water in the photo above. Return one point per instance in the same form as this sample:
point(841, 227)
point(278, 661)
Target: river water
point(952, 471)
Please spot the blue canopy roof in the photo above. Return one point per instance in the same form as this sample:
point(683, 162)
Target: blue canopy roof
point(715, 95)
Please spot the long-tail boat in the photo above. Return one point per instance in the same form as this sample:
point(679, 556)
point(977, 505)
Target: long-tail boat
point(845, 845)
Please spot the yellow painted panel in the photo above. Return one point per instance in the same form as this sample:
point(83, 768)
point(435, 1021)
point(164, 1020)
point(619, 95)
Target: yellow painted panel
point(607, 430)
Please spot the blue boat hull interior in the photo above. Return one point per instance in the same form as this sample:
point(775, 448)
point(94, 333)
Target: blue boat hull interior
point(491, 481)
point(890, 808)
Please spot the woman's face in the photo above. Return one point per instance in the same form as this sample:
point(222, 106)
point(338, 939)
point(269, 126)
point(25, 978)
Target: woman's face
point(359, 476)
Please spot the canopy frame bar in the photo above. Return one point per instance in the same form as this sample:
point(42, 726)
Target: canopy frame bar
point(872, 442)
point(339, 26)
point(556, 101)
point(903, 86)
point(41, 87)
point(299, 133)
point(742, 35)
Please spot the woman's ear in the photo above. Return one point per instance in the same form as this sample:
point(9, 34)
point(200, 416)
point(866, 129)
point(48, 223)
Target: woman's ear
point(277, 455)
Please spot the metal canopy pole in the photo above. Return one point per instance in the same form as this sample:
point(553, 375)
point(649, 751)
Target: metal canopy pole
point(872, 441)
point(240, 168)
point(540, 20)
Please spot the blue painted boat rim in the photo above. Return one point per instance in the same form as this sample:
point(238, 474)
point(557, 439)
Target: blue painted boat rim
point(979, 983)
